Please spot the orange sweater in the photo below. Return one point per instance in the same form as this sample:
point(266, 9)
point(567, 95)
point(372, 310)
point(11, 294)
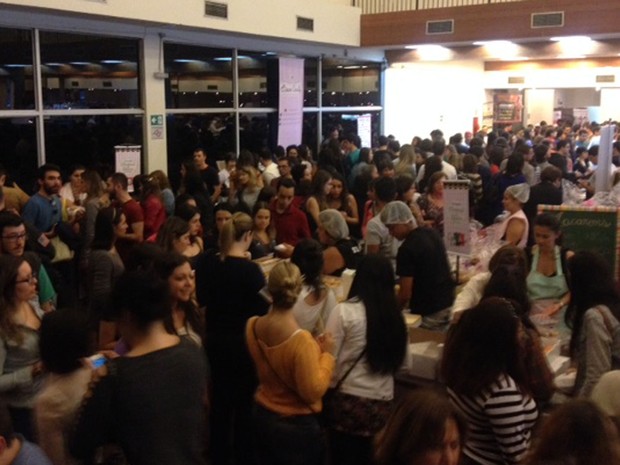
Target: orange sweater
point(300, 366)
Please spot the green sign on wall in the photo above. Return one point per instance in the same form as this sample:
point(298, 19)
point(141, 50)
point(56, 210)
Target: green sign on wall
point(589, 228)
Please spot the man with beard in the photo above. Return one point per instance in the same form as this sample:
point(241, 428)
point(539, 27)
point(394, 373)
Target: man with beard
point(43, 210)
point(118, 189)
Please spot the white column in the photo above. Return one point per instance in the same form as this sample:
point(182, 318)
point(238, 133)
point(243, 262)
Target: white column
point(154, 103)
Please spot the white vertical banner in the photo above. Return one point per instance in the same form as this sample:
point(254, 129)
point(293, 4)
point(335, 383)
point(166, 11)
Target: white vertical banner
point(603, 167)
point(291, 101)
point(128, 161)
point(364, 129)
point(456, 233)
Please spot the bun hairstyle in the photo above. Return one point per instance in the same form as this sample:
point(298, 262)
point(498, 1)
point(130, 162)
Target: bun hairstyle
point(284, 285)
point(233, 231)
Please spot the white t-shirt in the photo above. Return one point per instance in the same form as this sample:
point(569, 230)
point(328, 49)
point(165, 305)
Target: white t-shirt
point(308, 316)
point(347, 324)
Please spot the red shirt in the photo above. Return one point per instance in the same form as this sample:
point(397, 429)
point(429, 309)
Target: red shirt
point(154, 215)
point(291, 225)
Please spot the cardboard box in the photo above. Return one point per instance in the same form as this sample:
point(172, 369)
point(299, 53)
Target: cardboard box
point(425, 358)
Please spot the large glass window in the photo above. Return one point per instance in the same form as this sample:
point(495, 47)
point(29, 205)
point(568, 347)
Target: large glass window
point(255, 131)
point(84, 71)
point(199, 77)
point(16, 82)
point(349, 123)
point(18, 139)
point(89, 140)
point(310, 81)
point(213, 132)
point(347, 84)
point(309, 130)
point(254, 69)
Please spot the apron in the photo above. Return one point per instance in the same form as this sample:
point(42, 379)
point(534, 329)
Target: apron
point(541, 287)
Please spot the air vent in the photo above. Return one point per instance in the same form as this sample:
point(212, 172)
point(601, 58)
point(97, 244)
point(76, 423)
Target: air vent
point(305, 24)
point(606, 78)
point(516, 80)
point(550, 19)
point(445, 26)
point(211, 87)
point(216, 10)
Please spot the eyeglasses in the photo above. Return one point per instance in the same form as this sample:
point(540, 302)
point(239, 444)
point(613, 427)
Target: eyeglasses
point(14, 237)
point(30, 280)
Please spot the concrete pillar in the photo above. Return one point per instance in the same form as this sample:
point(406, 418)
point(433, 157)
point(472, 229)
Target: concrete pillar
point(154, 102)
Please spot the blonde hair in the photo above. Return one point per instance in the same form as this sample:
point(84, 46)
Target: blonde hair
point(233, 231)
point(252, 173)
point(284, 285)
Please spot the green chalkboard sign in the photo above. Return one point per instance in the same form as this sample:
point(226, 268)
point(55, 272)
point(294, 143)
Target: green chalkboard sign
point(589, 228)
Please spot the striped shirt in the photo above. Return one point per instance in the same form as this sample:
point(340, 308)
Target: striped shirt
point(500, 422)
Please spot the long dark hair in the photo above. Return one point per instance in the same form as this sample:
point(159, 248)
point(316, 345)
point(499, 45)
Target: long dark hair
point(9, 268)
point(386, 333)
point(509, 282)
point(308, 256)
point(106, 220)
point(482, 346)
point(164, 266)
point(591, 283)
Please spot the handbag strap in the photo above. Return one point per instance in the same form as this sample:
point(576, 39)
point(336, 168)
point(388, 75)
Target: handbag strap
point(344, 377)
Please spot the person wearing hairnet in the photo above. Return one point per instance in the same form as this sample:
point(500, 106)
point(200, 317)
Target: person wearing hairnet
point(341, 251)
point(426, 284)
point(514, 229)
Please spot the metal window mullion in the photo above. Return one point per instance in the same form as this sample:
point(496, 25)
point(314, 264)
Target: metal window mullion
point(235, 70)
point(38, 96)
point(319, 103)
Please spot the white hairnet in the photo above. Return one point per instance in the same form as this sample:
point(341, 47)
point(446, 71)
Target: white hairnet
point(521, 192)
point(397, 212)
point(334, 224)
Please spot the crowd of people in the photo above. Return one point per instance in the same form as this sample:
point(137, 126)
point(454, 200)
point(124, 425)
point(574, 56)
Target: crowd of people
point(138, 326)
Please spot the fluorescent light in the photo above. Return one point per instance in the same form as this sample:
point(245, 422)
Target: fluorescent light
point(433, 52)
point(185, 60)
point(112, 62)
point(53, 64)
point(494, 42)
point(15, 65)
point(80, 63)
point(571, 39)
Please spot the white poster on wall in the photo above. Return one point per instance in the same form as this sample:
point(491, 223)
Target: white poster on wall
point(128, 161)
point(603, 167)
point(291, 101)
point(456, 217)
point(364, 129)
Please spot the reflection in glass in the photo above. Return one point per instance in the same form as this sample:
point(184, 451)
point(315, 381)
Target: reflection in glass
point(347, 123)
point(89, 140)
point(16, 82)
point(18, 139)
point(254, 69)
point(310, 87)
point(309, 131)
point(83, 71)
point(200, 77)
point(255, 131)
point(215, 133)
point(347, 84)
